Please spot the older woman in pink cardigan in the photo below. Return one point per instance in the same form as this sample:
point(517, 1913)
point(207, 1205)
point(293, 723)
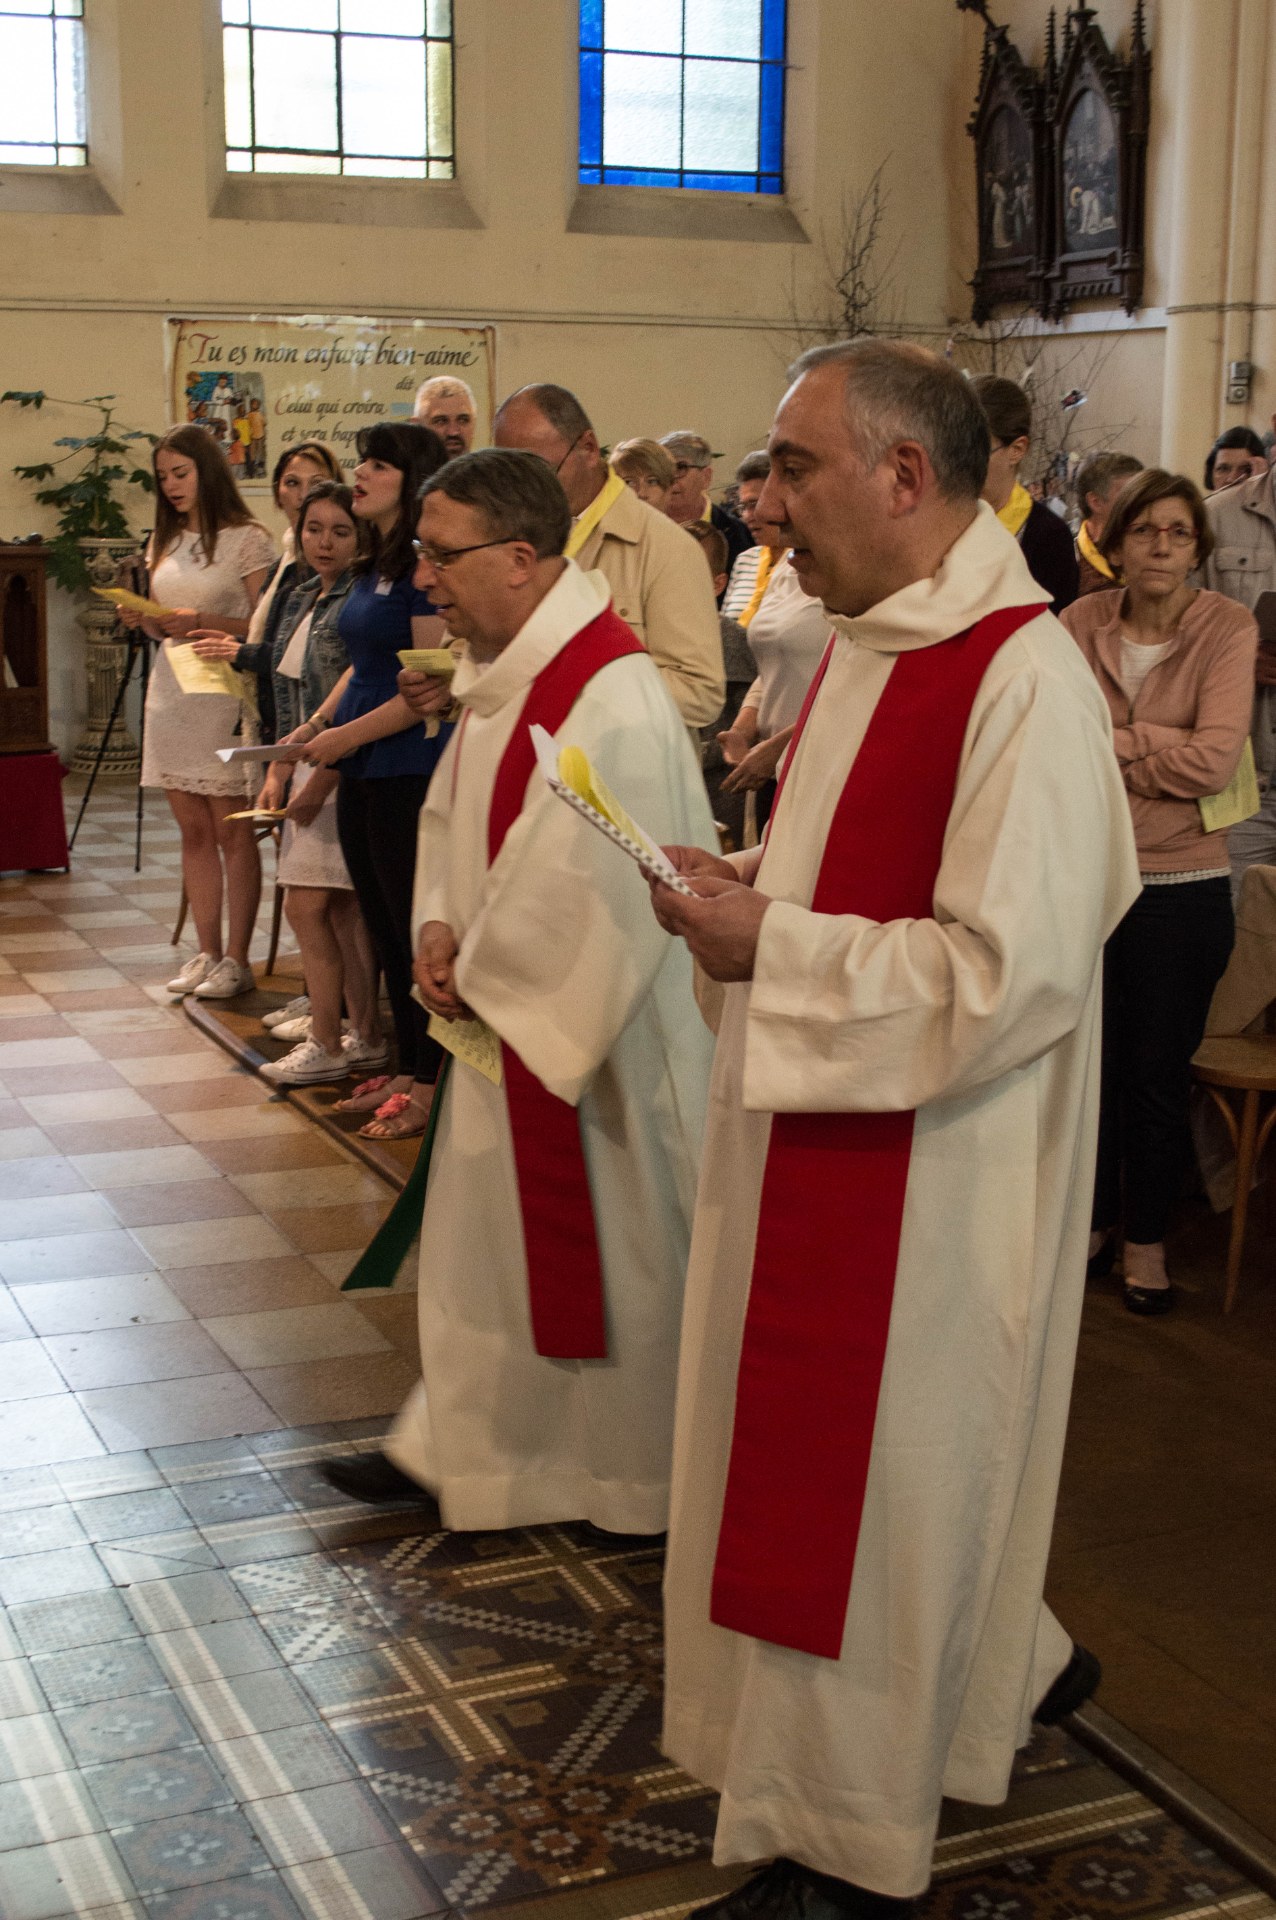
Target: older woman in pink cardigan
point(1176, 664)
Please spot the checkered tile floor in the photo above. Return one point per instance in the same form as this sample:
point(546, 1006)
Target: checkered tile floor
point(228, 1694)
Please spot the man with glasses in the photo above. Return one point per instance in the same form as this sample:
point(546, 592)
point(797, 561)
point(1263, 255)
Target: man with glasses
point(659, 584)
point(558, 1210)
point(689, 499)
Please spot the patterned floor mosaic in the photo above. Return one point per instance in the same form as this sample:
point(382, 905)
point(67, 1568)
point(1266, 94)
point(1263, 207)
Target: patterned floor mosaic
point(225, 1692)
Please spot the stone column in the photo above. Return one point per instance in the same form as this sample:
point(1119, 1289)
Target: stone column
point(104, 656)
point(1197, 43)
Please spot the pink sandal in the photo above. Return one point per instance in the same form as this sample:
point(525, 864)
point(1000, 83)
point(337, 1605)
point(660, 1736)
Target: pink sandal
point(388, 1117)
point(365, 1097)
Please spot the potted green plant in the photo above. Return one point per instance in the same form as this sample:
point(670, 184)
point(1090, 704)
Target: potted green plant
point(93, 538)
point(85, 496)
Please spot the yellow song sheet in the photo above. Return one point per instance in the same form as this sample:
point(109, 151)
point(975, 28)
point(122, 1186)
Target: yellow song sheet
point(194, 675)
point(440, 662)
point(1239, 800)
point(134, 602)
point(473, 1042)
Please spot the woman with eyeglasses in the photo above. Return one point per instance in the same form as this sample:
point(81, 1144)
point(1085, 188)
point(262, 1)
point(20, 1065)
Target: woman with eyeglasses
point(384, 755)
point(1176, 664)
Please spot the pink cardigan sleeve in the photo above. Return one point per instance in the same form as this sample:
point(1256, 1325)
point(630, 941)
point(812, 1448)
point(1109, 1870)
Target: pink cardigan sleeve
point(1205, 761)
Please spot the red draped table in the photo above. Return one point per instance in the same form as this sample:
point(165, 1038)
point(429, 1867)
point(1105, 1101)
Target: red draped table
point(32, 823)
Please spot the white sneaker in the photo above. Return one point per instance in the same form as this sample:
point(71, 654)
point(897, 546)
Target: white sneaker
point(192, 975)
point(361, 1053)
point(298, 1029)
point(226, 981)
point(295, 1010)
point(305, 1065)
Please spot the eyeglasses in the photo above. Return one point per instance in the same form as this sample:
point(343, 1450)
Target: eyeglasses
point(1147, 535)
point(570, 451)
point(441, 558)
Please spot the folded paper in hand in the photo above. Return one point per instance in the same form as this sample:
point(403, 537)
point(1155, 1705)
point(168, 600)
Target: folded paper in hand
point(473, 1042)
point(1239, 800)
point(229, 755)
point(134, 602)
point(573, 779)
point(440, 662)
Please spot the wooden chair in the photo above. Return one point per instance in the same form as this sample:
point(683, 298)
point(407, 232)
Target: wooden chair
point(263, 832)
point(1244, 1064)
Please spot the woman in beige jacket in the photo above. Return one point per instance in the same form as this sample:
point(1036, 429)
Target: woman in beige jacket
point(1176, 664)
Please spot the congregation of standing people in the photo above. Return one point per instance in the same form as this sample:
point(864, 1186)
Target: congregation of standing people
point(953, 792)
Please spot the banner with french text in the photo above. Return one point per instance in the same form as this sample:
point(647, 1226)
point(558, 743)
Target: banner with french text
point(261, 385)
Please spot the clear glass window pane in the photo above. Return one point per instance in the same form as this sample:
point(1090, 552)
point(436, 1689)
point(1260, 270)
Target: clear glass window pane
point(238, 162)
point(73, 156)
point(295, 90)
point(68, 42)
point(267, 162)
point(643, 26)
point(643, 111)
point(386, 169)
point(720, 116)
point(404, 18)
point(28, 6)
point(438, 19)
point(383, 96)
point(235, 13)
point(729, 29)
point(439, 60)
point(315, 16)
point(237, 72)
point(28, 156)
point(26, 80)
point(73, 9)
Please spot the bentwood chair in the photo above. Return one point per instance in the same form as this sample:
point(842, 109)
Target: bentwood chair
point(1243, 1064)
point(263, 832)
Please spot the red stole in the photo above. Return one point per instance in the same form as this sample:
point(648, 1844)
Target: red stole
point(832, 1200)
point(564, 1272)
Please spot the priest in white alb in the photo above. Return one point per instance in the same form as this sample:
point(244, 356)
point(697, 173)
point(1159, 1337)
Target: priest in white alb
point(890, 1241)
point(558, 1208)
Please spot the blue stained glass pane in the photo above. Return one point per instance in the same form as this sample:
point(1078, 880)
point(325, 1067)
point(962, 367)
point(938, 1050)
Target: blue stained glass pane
point(591, 109)
point(770, 183)
point(590, 176)
point(591, 23)
point(771, 120)
point(773, 12)
point(635, 177)
point(720, 182)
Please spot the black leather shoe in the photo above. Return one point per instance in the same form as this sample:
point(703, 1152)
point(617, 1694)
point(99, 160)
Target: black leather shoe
point(376, 1481)
point(787, 1891)
point(1072, 1689)
point(633, 1542)
point(1100, 1264)
point(1148, 1300)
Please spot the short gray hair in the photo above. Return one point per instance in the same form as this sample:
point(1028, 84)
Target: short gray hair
point(896, 392)
point(442, 386)
point(690, 447)
point(558, 405)
point(517, 494)
point(754, 466)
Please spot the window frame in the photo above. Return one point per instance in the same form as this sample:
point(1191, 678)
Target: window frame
point(768, 181)
point(337, 34)
point(56, 165)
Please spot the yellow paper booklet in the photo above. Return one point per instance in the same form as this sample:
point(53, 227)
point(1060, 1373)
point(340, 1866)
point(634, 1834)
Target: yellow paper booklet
point(574, 780)
point(438, 661)
point(1238, 801)
point(133, 601)
point(473, 1042)
point(194, 675)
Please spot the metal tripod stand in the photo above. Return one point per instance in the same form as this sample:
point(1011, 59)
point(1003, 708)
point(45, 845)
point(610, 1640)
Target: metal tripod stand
point(139, 650)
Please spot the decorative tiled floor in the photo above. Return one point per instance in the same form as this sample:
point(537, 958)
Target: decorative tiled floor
point(228, 1694)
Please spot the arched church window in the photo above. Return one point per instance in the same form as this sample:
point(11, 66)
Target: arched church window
point(683, 93)
point(42, 112)
point(339, 86)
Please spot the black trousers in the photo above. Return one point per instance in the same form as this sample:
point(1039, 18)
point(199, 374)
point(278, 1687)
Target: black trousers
point(376, 823)
point(1160, 969)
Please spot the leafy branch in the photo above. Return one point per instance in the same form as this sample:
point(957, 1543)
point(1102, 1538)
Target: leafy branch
point(85, 498)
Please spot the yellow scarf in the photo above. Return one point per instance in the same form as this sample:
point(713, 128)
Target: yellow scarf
point(603, 501)
point(1016, 510)
point(1088, 551)
point(765, 567)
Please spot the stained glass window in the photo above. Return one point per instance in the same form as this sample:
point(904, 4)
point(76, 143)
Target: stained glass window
point(339, 86)
point(42, 117)
point(683, 93)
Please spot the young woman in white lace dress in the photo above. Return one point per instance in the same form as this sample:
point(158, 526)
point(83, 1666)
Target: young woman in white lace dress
point(209, 560)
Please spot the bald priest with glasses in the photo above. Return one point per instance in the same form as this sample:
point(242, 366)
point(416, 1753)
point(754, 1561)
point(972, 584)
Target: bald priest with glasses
point(558, 1206)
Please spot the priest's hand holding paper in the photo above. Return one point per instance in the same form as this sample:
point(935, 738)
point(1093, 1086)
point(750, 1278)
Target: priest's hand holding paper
point(428, 694)
point(434, 970)
point(721, 925)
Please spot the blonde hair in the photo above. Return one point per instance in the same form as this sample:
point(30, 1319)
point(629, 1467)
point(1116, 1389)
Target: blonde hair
point(643, 460)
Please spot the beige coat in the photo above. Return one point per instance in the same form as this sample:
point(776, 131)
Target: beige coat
point(1243, 566)
point(661, 587)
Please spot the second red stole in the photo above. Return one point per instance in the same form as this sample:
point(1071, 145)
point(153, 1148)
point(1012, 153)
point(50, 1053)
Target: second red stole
point(832, 1199)
point(564, 1272)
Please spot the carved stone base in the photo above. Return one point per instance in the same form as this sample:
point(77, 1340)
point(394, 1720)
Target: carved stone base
point(106, 650)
